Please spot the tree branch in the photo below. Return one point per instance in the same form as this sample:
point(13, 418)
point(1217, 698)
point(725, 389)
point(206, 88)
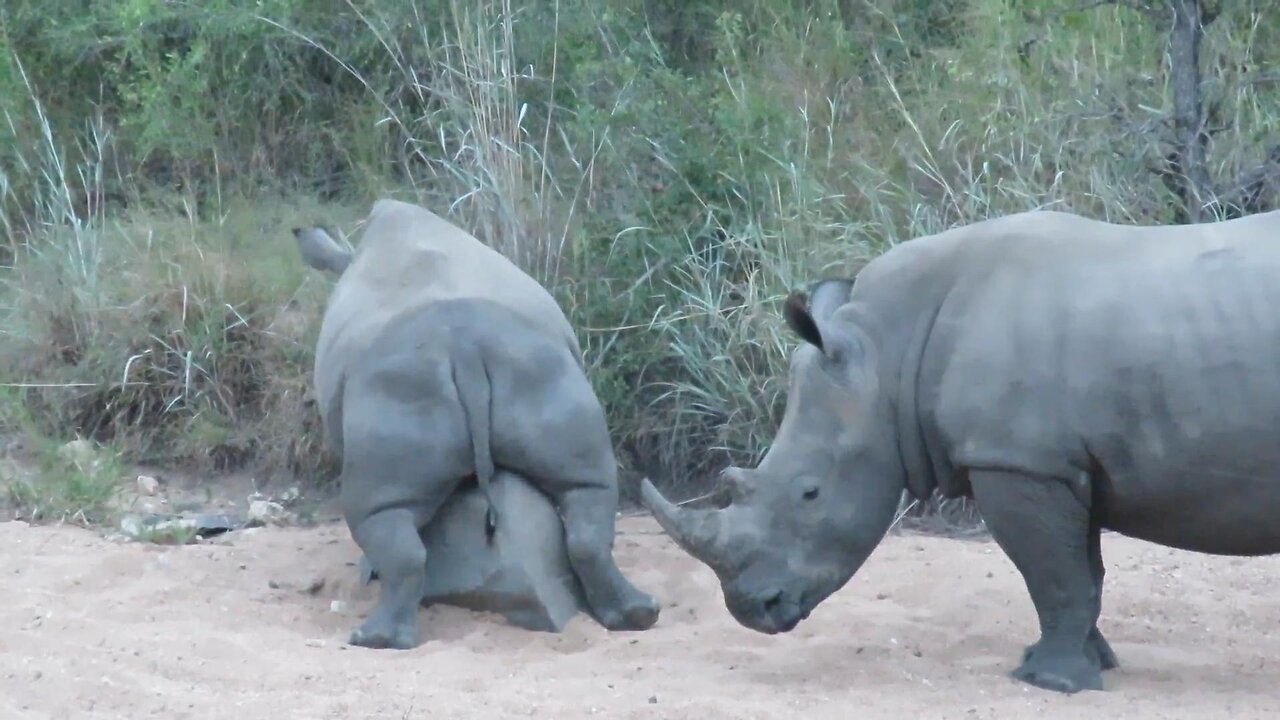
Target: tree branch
point(1188, 111)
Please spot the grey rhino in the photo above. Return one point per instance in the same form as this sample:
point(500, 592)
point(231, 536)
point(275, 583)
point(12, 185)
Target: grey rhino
point(520, 571)
point(1068, 374)
point(439, 360)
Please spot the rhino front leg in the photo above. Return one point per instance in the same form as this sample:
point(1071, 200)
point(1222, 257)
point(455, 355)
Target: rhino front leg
point(1045, 531)
point(589, 525)
point(1098, 648)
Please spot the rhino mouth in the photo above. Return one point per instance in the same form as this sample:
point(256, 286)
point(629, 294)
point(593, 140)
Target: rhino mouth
point(772, 613)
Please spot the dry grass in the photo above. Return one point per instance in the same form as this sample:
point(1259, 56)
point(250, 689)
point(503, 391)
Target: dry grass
point(668, 209)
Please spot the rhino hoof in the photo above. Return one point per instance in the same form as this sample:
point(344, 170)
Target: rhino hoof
point(1064, 676)
point(1096, 648)
point(391, 638)
point(642, 614)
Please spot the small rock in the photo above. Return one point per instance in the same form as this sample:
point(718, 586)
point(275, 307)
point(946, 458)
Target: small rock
point(80, 453)
point(316, 586)
point(211, 524)
point(337, 606)
point(147, 485)
point(653, 699)
point(266, 511)
point(315, 643)
point(176, 524)
point(130, 526)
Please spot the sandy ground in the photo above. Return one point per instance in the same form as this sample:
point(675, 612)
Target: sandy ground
point(929, 628)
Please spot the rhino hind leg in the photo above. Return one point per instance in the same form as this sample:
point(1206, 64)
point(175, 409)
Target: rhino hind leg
point(1100, 647)
point(403, 456)
point(391, 542)
point(590, 523)
point(1045, 531)
point(568, 455)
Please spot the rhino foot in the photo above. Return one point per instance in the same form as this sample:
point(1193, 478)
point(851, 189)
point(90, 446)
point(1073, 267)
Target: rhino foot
point(1107, 659)
point(380, 635)
point(641, 613)
point(1059, 673)
point(1096, 647)
point(365, 573)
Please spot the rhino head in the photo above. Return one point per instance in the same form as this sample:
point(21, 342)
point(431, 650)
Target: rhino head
point(801, 523)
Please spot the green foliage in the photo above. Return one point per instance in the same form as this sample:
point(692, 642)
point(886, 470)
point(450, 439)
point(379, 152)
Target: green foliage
point(73, 481)
point(670, 169)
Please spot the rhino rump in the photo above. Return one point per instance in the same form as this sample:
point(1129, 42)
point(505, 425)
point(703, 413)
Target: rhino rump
point(544, 420)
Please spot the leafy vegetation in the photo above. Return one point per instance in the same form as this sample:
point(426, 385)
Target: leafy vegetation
point(669, 168)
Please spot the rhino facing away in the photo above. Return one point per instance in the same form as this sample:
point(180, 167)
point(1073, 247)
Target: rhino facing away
point(439, 360)
point(520, 570)
point(1068, 374)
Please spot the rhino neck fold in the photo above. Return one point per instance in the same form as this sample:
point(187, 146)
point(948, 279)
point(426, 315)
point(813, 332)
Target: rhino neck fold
point(918, 464)
point(908, 346)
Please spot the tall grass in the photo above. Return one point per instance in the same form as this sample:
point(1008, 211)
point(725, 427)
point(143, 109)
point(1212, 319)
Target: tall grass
point(668, 181)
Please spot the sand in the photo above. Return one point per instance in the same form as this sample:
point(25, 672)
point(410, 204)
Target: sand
point(237, 628)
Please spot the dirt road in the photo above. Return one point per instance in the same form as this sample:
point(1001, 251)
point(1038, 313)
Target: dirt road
point(241, 628)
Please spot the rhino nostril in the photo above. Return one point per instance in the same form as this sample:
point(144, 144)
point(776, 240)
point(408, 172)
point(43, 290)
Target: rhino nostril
point(772, 601)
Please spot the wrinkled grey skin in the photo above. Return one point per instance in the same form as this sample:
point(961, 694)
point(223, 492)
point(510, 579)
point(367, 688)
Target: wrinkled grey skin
point(439, 360)
point(1070, 375)
point(521, 573)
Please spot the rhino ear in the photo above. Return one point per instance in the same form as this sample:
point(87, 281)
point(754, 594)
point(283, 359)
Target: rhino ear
point(319, 250)
point(807, 317)
point(826, 296)
point(796, 312)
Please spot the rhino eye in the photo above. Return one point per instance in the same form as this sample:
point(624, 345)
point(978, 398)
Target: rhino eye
point(811, 494)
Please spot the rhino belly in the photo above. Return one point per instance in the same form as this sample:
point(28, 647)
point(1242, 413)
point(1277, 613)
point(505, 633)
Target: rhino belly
point(1218, 493)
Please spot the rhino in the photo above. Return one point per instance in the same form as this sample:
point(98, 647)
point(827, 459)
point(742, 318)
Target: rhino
point(440, 362)
point(1069, 375)
point(518, 569)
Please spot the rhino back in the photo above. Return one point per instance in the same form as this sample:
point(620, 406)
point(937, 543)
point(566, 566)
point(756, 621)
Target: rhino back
point(404, 397)
point(409, 259)
point(1146, 353)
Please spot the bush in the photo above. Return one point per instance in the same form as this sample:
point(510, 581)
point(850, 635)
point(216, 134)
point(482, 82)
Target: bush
point(668, 169)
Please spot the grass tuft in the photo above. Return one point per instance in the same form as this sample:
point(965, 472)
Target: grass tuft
point(668, 169)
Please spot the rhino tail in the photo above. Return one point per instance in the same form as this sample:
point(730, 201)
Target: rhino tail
point(474, 389)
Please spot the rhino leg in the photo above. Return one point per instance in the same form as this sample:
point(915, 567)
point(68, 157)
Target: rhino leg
point(391, 542)
point(565, 451)
point(1045, 531)
point(578, 472)
point(1097, 647)
point(1100, 647)
point(404, 452)
point(590, 523)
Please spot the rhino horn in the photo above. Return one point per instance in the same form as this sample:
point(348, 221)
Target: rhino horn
point(699, 532)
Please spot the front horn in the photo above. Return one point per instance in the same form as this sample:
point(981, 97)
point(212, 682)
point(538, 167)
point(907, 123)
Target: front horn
point(698, 532)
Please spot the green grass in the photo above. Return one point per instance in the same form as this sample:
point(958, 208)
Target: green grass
point(66, 487)
point(669, 177)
